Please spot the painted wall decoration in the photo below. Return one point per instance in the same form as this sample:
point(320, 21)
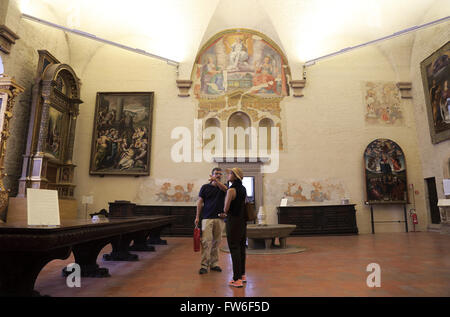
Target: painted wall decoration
point(383, 103)
point(122, 134)
point(305, 191)
point(436, 83)
point(169, 191)
point(176, 193)
point(314, 191)
point(385, 169)
point(240, 70)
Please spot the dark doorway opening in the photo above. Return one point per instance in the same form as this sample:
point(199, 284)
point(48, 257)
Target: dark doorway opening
point(433, 200)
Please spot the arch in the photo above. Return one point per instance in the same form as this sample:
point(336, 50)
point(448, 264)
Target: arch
point(66, 73)
point(238, 132)
point(265, 140)
point(385, 172)
point(210, 123)
point(236, 60)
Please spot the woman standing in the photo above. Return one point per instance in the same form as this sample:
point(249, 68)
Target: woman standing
point(234, 210)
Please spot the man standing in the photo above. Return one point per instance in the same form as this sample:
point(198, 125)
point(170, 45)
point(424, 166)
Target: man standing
point(210, 204)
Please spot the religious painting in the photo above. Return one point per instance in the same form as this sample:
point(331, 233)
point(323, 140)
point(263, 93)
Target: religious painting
point(385, 169)
point(382, 102)
point(241, 70)
point(54, 143)
point(122, 134)
point(240, 60)
point(436, 82)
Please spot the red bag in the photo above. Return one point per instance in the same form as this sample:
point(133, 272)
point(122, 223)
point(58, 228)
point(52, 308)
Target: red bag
point(197, 233)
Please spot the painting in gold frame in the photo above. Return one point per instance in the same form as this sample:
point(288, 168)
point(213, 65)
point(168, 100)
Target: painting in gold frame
point(122, 133)
point(436, 81)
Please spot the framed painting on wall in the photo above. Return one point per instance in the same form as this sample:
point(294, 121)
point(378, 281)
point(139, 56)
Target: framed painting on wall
point(385, 169)
point(436, 83)
point(55, 134)
point(121, 140)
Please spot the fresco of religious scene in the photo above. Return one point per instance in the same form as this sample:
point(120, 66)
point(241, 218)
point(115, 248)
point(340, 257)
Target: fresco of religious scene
point(122, 134)
point(168, 190)
point(385, 168)
point(240, 61)
point(176, 193)
point(315, 191)
point(382, 102)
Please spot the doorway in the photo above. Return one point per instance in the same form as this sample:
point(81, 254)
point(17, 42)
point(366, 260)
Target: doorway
point(433, 200)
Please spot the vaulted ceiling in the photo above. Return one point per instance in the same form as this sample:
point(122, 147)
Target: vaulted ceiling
point(176, 29)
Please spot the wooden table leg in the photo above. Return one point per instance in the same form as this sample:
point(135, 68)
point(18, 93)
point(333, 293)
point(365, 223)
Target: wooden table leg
point(120, 251)
point(19, 270)
point(140, 242)
point(155, 236)
point(86, 257)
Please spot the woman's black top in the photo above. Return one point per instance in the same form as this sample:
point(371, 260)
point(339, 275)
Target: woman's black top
point(237, 204)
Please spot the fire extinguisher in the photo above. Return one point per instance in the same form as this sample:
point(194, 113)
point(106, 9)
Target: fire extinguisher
point(415, 221)
point(414, 217)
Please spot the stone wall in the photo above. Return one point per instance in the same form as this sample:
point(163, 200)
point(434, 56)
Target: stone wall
point(21, 63)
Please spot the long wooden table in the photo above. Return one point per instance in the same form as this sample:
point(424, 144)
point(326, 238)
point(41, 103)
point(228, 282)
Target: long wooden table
point(25, 250)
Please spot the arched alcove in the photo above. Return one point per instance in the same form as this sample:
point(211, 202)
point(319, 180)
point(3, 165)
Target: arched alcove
point(210, 134)
point(265, 135)
point(238, 132)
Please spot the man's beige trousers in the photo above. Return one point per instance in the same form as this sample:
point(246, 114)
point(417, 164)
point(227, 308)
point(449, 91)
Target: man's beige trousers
point(211, 236)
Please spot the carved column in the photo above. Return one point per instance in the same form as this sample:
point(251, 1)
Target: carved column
point(9, 90)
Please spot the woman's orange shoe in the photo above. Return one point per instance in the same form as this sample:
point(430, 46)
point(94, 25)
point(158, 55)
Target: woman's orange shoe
point(237, 283)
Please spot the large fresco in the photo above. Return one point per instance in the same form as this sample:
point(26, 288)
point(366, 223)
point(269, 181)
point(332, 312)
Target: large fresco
point(241, 70)
point(385, 168)
point(436, 82)
point(241, 61)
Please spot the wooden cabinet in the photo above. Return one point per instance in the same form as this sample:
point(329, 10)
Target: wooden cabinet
point(320, 219)
point(182, 226)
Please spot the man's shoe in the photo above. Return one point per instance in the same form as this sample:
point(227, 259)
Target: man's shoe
point(203, 271)
point(237, 283)
point(216, 268)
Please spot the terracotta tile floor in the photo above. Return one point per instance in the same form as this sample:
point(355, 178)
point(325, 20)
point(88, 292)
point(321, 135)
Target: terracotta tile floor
point(412, 264)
